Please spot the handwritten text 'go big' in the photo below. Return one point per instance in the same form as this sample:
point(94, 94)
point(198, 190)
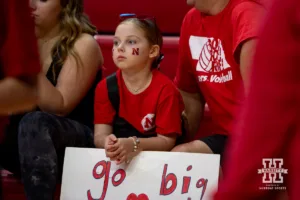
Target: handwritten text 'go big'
point(168, 182)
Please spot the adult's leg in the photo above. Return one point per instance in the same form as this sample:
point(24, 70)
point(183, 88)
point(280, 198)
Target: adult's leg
point(214, 144)
point(43, 138)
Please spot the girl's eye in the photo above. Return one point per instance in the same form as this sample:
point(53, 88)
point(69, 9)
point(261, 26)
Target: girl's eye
point(116, 43)
point(131, 41)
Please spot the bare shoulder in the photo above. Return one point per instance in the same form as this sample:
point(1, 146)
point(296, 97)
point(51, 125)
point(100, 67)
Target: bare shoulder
point(87, 46)
point(86, 41)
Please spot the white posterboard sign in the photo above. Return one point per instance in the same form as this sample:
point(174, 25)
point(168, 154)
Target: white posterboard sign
point(89, 175)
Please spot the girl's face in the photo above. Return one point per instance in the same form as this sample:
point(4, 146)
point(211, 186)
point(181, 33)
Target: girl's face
point(131, 49)
point(46, 13)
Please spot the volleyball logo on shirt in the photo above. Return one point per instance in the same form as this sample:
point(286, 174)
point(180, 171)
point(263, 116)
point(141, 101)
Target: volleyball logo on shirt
point(211, 59)
point(148, 122)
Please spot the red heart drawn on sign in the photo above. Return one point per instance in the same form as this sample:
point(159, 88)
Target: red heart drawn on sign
point(133, 196)
point(143, 197)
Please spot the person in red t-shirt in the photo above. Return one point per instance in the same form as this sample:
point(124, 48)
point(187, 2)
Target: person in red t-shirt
point(215, 50)
point(19, 59)
point(149, 105)
point(270, 126)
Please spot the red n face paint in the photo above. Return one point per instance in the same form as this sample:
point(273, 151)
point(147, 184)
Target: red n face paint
point(135, 51)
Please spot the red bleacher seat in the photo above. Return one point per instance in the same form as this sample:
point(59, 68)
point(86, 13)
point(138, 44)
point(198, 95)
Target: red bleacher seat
point(105, 14)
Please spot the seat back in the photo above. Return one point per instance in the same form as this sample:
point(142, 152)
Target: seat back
point(168, 13)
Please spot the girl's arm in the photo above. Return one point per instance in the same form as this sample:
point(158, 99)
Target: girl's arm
point(123, 148)
point(101, 132)
point(159, 143)
point(103, 115)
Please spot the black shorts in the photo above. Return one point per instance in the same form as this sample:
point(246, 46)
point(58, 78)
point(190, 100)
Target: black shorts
point(216, 143)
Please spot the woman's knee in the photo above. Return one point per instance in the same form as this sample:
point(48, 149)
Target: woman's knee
point(186, 147)
point(195, 146)
point(35, 135)
point(34, 123)
point(180, 148)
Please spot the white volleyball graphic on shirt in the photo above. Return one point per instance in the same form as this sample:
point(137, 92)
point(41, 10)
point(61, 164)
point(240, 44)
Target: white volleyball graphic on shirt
point(210, 59)
point(209, 53)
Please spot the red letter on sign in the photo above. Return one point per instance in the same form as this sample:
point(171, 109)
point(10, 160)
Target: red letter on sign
point(164, 182)
point(122, 177)
point(186, 182)
point(202, 183)
point(105, 171)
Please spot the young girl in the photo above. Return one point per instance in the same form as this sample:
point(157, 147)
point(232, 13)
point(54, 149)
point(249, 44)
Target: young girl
point(144, 113)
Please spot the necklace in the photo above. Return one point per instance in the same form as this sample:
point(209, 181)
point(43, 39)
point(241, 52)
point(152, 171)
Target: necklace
point(139, 88)
point(135, 90)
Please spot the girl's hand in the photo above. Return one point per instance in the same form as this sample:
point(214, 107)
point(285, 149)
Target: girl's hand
point(131, 156)
point(110, 140)
point(124, 148)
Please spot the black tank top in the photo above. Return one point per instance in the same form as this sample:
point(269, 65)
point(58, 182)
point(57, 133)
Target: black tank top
point(84, 111)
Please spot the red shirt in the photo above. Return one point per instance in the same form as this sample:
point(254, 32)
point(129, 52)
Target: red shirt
point(270, 124)
point(18, 46)
point(209, 51)
point(157, 108)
